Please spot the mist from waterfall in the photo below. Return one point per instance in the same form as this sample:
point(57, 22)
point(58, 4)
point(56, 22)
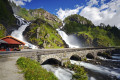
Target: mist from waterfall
point(71, 40)
point(19, 33)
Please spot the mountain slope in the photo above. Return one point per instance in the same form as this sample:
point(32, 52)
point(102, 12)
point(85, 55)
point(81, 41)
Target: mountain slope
point(32, 15)
point(90, 35)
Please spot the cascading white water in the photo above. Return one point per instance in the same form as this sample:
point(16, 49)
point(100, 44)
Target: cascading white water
point(19, 33)
point(60, 73)
point(100, 69)
point(70, 40)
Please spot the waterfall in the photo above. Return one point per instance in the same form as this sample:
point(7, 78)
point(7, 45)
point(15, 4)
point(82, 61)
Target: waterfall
point(19, 33)
point(71, 40)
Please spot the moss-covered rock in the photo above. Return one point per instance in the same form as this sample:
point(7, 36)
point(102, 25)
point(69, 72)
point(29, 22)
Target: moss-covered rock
point(2, 31)
point(86, 39)
point(43, 34)
point(7, 18)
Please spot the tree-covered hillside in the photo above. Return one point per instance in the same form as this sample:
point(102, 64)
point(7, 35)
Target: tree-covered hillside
point(90, 35)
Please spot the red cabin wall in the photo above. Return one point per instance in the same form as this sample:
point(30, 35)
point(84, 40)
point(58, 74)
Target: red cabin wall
point(2, 49)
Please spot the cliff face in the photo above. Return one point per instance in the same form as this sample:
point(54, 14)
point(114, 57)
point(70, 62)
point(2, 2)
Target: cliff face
point(7, 18)
point(41, 33)
point(90, 35)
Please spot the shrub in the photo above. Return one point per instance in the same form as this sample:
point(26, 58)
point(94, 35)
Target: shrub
point(33, 71)
point(80, 73)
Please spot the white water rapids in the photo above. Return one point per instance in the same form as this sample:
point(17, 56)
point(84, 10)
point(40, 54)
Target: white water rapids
point(60, 73)
point(100, 69)
point(19, 33)
point(66, 74)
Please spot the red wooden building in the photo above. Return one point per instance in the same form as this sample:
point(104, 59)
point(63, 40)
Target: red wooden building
point(10, 43)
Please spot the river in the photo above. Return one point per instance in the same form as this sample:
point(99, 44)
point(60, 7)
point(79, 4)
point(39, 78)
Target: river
point(94, 72)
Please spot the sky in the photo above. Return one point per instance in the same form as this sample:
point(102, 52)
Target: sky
point(98, 11)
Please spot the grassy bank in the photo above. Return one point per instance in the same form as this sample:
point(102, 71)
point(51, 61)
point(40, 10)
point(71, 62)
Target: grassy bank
point(33, 71)
point(80, 73)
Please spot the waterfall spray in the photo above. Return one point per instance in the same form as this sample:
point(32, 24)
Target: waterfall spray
point(19, 33)
point(71, 40)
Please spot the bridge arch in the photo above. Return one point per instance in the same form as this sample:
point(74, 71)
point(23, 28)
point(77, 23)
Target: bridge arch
point(52, 61)
point(90, 56)
point(99, 53)
point(75, 57)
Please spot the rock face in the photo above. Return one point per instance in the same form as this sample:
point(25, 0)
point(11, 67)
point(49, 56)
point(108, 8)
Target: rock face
point(43, 34)
point(34, 14)
point(7, 18)
point(85, 39)
point(78, 19)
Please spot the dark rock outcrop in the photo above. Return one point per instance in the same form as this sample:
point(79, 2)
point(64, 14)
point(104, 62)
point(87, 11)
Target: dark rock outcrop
point(7, 18)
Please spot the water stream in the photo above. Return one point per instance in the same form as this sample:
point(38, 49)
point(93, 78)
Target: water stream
point(94, 72)
point(60, 73)
point(19, 33)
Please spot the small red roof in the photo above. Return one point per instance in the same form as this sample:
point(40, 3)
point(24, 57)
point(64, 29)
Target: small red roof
point(12, 40)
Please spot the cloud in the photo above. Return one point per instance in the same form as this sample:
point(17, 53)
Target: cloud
point(92, 14)
point(62, 14)
point(92, 2)
point(107, 13)
point(20, 2)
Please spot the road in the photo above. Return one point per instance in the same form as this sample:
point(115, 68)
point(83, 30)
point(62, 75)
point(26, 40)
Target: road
point(9, 69)
point(52, 50)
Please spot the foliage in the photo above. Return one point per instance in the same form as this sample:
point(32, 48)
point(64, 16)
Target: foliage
point(80, 73)
point(101, 36)
point(33, 71)
point(2, 31)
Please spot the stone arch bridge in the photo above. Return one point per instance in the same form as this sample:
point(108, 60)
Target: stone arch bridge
point(61, 55)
